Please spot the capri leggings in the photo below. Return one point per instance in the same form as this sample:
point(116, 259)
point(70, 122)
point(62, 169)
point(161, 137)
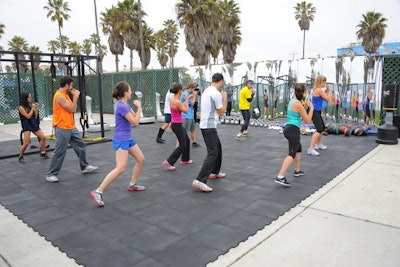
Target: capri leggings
point(318, 121)
point(292, 134)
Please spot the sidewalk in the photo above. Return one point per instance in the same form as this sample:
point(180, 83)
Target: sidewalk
point(352, 221)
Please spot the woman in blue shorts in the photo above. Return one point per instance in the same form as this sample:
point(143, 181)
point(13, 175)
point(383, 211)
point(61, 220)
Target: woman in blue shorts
point(124, 144)
point(318, 96)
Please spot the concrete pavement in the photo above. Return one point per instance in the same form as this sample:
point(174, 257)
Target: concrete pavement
point(351, 221)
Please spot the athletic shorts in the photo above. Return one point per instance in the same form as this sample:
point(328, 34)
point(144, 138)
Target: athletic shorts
point(188, 125)
point(123, 144)
point(167, 117)
point(367, 112)
point(318, 121)
point(266, 103)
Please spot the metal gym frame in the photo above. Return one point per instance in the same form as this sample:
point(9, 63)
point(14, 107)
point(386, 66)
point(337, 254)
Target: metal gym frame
point(68, 62)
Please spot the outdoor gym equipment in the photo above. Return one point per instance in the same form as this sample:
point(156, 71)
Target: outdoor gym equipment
point(92, 125)
point(143, 120)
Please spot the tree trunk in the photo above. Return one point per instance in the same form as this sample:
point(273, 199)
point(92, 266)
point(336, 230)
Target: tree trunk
point(131, 57)
point(116, 63)
point(143, 57)
point(304, 41)
point(98, 39)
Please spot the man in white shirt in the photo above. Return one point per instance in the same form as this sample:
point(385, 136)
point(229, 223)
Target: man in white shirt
point(213, 105)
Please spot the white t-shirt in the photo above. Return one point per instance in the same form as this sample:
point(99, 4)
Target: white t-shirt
point(167, 102)
point(211, 100)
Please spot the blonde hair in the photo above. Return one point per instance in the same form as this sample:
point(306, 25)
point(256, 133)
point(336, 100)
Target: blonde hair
point(318, 82)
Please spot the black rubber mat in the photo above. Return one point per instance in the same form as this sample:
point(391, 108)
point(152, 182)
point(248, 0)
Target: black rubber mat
point(169, 224)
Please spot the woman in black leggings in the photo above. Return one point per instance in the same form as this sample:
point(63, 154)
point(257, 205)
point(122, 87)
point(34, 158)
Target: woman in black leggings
point(295, 112)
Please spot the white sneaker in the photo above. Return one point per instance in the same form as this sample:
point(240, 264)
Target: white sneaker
point(320, 146)
point(51, 179)
point(196, 184)
point(90, 168)
point(312, 152)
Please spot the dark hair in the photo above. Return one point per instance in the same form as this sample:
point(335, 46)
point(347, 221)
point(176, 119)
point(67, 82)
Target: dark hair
point(23, 101)
point(217, 77)
point(299, 91)
point(65, 80)
point(120, 89)
point(176, 87)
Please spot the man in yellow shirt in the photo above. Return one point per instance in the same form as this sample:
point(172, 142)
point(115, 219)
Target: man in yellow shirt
point(65, 130)
point(245, 97)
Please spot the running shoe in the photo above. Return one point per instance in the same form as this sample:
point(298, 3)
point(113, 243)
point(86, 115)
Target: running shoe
point(298, 173)
point(282, 181)
point(312, 152)
point(196, 184)
point(89, 169)
point(320, 146)
point(52, 179)
point(219, 175)
point(168, 166)
point(98, 198)
point(136, 187)
point(187, 162)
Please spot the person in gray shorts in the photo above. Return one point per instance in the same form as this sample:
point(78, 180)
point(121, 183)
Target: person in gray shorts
point(188, 119)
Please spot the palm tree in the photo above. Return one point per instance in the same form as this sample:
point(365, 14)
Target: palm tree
point(161, 48)
point(371, 31)
point(110, 24)
point(86, 47)
point(129, 25)
point(304, 14)
point(19, 44)
point(53, 46)
point(74, 48)
point(141, 39)
point(230, 29)
point(64, 42)
point(149, 42)
point(172, 37)
point(57, 10)
point(200, 21)
point(2, 27)
point(36, 58)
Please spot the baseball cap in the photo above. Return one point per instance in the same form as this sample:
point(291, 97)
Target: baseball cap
point(250, 82)
point(217, 77)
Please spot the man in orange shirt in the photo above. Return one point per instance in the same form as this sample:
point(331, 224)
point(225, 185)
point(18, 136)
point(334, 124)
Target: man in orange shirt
point(65, 130)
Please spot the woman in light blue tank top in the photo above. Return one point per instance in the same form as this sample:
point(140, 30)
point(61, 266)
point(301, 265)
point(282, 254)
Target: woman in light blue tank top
point(295, 112)
point(318, 96)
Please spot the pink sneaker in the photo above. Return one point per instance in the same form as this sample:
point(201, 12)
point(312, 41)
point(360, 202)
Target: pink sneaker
point(187, 162)
point(168, 166)
point(219, 175)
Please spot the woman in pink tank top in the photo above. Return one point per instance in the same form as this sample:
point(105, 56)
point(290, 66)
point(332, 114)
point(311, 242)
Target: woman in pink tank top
point(177, 107)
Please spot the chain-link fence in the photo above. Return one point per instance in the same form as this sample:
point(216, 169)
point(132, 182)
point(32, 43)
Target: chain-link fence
point(11, 88)
point(148, 82)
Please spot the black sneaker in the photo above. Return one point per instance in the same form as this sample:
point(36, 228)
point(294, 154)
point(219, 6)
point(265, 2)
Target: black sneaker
point(281, 181)
point(195, 144)
point(21, 160)
point(160, 140)
point(298, 173)
point(44, 155)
